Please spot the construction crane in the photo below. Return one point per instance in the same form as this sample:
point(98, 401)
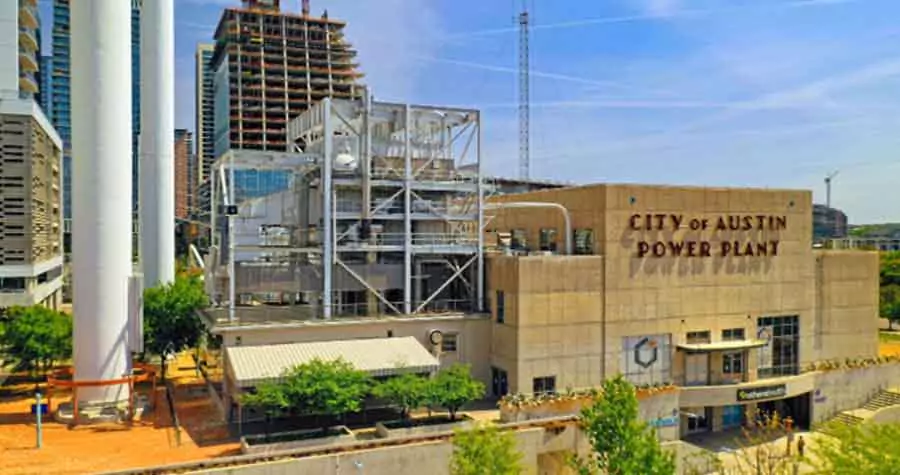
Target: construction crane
point(524, 95)
point(828, 179)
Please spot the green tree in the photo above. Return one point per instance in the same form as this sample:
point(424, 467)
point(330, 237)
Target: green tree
point(34, 338)
point(326, 388)
point(868, 449)
point(889, 307)
point(407, 392)
point(485, 450)
point(622, 444)
point(453, 388)
point(270, 398)
point(171, 323)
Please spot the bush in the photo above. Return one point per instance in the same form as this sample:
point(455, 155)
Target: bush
point(453, 388)
point(35, 338)
point(406, 392)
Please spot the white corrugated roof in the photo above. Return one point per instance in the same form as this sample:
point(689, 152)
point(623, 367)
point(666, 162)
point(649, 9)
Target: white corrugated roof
point(251, 365)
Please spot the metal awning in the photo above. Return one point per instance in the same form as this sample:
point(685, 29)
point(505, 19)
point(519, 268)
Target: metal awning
point(721, 346)
point(251, 365)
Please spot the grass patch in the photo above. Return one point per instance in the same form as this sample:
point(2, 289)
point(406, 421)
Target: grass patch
point(888, 337)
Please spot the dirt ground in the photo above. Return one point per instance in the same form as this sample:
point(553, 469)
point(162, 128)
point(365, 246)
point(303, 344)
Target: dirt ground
point(95, 448)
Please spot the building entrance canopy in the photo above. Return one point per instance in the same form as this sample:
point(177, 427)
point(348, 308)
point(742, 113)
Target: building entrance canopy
point(249, 366)
point(734, 345)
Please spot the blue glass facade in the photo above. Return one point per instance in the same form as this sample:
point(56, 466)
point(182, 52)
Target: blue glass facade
point(61, 106)
point(135, 98)
point(46, 94)
point(258, 183)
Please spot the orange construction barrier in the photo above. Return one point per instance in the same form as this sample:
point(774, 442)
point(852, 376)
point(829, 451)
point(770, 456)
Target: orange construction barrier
point(65, 378)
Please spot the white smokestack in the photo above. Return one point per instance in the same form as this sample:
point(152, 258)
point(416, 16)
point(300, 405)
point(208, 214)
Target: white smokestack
point(101, 193)
point(157, 142)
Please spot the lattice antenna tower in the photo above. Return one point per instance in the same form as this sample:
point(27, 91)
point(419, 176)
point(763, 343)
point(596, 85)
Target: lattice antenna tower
point(524, 95)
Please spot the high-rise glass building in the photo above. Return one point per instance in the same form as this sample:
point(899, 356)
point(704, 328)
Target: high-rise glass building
point(45, 98)
point(61, 107)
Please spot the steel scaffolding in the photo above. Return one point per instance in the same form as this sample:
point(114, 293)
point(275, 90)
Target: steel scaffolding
point(377, 209)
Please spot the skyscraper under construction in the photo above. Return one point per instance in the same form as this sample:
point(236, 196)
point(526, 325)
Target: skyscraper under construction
point(269, 67)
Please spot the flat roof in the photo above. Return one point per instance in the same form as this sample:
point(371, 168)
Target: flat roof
point(251, 365)
point(722, 345)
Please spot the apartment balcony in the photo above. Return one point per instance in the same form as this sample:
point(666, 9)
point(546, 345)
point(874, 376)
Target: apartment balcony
point(28, 84)
point(28, 14)
point(27, 62)
point(27, 40)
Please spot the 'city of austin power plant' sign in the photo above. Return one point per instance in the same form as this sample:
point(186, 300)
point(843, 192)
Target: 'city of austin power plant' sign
point(706, 248)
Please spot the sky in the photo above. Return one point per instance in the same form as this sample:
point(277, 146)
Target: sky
point(759, 93)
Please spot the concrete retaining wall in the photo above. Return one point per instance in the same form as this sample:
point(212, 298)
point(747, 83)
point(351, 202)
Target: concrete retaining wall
point(841, 390)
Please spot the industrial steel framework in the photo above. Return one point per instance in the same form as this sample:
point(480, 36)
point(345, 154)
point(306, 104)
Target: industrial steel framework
point(377, 209)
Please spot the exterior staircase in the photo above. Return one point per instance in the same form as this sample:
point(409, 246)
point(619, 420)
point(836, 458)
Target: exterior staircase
point(884, 398)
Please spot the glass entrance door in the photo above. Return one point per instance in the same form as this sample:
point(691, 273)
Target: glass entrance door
point(732, 416)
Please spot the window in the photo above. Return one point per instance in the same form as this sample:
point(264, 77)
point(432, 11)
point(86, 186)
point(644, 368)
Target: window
point(584, 242)
point(733, 334)
point(780, 356)
point(448, 343)
point(733, 363)
point(548, 239)
point(698, 337)
point(501, 307)
point(519, 240)
point(545, 384)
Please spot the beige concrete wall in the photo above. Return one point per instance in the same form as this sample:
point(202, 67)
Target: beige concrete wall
point(473, 344)
point(554, 314)
point(847, 298)
point(842, 390)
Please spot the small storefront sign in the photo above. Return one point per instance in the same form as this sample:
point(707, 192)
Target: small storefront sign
point(762, 392)
point(665, 422)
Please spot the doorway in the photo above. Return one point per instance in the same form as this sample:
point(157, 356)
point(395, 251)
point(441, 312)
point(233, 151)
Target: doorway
point(797, 408)
point(699, 420)
point(696, 369)
point(499, 382)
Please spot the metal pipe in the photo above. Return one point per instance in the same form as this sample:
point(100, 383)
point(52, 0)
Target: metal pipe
point(539, 204)
point(101, 194)
point(327, 210)
point(232, 277)
point(407, 214)
point(157, 142)
point(480, 265)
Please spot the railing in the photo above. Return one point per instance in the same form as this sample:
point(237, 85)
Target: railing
point(379, 207)
point(423, 239)
point(267, 314)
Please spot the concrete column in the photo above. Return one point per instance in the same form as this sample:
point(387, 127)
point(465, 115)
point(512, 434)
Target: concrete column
point(101, 194)
point(157, 142)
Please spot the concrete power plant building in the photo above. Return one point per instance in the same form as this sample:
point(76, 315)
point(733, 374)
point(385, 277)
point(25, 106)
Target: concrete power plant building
point(31, 260)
